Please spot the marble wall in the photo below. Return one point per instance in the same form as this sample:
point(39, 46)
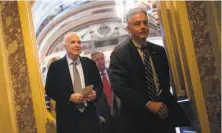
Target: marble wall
point(20, 81)
point(207, 61)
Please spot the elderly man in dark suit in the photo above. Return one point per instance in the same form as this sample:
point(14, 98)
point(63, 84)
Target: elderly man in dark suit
point(139, 75)
point(75, 112)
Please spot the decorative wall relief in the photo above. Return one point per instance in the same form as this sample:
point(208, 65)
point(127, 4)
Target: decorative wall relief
point(176, 69)
point(104, 29)
point(94, 36)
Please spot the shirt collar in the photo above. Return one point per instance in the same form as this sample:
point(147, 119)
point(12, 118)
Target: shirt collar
point(70, 61)
point(105, 71)
point(137, 45)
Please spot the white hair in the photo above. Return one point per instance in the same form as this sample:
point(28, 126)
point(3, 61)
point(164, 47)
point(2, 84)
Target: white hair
point(67, 35)
point(134, 11)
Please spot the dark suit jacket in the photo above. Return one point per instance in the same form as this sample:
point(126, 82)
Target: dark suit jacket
point(59, 87)
point(127, 76)
point(115, 102)
point(103, 106)
point(110, 114)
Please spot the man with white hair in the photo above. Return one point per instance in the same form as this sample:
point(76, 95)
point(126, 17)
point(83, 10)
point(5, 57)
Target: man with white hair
point(75, 112)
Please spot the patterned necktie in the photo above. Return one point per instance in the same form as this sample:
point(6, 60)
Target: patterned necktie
point(77, 85)
point(149, 75)
point(107, 88)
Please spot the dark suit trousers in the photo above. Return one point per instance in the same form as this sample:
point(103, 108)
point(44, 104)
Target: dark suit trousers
point(86, 122)
point(85, 125)
point(111, 125)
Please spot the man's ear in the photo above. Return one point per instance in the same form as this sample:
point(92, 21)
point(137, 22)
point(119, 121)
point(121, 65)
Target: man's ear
point(128, 29)
point(65, 46)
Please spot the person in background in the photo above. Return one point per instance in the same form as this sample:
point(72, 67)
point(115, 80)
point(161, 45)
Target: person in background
point(139, 75)
point(50, 103)
point(108, 105)
point(66, 78)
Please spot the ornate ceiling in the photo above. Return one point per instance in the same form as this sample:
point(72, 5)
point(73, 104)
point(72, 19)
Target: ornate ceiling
point(98, 23)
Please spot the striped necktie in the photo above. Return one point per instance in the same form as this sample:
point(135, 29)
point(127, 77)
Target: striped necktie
point(149, 75)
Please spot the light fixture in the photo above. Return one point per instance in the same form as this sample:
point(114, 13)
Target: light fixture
point(123, 6)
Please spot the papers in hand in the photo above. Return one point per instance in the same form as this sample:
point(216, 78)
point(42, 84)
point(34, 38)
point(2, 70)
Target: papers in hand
point(87, 90)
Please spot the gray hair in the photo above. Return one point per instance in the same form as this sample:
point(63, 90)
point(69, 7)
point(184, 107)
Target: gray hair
point(95, 53)
point(67, 35)
point(53, 59)
point(134, 11)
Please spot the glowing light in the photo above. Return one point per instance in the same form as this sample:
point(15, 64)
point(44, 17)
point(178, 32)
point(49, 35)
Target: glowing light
point(123, 6)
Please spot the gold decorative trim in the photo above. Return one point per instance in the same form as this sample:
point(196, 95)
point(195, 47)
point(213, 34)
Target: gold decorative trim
point(178, 37)
point(18, 68)
point(7, 114)
point(206, 60)
point(193, 67)
point(33, 67)
point(172, 48)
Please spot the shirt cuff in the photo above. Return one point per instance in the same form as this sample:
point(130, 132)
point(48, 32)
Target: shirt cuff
point(147, 103)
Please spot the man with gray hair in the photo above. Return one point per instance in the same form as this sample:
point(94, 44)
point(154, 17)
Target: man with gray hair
point(75, 112)
point(108, 105)
point(139, 75)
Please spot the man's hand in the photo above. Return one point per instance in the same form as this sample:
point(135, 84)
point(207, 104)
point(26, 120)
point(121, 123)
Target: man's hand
point(91, 96)
point(158, 108)
point(102, 119)
point(54, 123)
point(76, 98)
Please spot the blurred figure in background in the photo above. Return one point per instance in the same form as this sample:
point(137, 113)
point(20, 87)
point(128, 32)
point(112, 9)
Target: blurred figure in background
point(108, 105)
point(50, 103)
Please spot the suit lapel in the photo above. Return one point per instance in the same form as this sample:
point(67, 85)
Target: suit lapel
point(151, 50)
point(65, 69)
point(137, 60)
point(112, 93)
point(115, 106)
point(85, 70)
point(152, 53)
